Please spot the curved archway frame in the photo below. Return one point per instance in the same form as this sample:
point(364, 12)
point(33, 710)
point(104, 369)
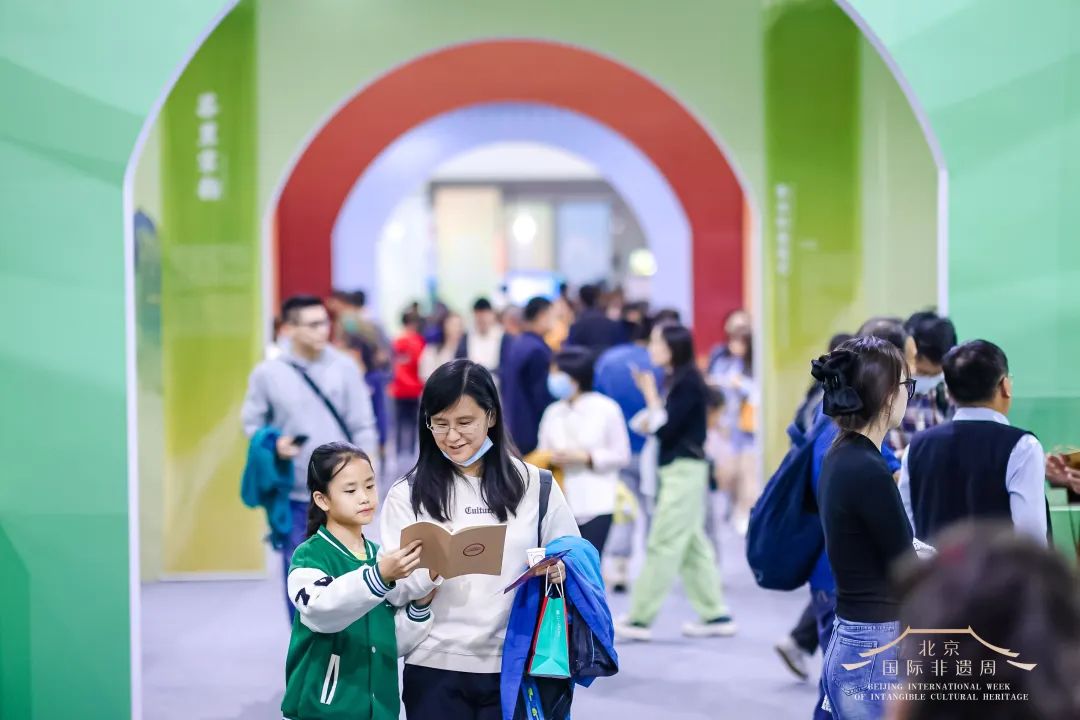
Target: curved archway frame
point(517, 71)
point(409, 161)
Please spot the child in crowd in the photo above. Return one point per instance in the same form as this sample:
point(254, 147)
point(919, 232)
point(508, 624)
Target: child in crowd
point(347, 637)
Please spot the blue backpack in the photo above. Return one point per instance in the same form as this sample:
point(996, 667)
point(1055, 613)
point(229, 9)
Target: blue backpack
point(785, 539)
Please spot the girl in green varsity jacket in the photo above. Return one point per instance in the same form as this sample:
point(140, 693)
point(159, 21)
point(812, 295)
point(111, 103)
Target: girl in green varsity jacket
point(347, 635)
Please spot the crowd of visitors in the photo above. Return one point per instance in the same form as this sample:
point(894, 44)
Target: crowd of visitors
point(577, 423)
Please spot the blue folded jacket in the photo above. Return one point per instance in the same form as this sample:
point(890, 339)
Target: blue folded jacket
point(592, 633)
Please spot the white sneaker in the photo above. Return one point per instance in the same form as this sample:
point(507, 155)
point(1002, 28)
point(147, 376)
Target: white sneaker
point(795, 658)
point(626, 630)
point(720, 627)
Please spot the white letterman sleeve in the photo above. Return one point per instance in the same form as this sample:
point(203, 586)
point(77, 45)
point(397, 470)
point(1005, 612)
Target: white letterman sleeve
point(397, 514)
point(412, 624)
point(328, 604)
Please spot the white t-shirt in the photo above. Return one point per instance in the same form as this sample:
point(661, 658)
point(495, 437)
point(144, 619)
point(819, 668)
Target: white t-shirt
point(485, 349)
point(593, 423)
point(471, 612)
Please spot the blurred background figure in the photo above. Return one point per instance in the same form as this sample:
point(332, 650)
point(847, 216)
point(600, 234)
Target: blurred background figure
point(445, 347)
point(358, 332)
point(310, 394)
point(583, 433)
point(562, 318)
point(483, 344)
point(525, 376)
point(407, 386)
point(615, 371)
point(594, 328)
point(731, 369)
point(677, 544)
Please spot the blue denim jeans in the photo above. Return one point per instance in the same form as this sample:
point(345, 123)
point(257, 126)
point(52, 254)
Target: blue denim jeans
point(823, 603)
point(849, 692)
point(297, 535)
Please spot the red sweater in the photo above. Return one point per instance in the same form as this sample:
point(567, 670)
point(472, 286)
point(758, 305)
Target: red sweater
point(407, 384)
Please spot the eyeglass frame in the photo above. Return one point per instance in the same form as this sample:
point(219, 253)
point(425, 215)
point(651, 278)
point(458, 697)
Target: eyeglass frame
point(910, 385)
point(313, 325)
point(465, 430)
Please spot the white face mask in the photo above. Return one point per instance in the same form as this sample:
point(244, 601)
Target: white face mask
point(475, 457)
point(925, 384)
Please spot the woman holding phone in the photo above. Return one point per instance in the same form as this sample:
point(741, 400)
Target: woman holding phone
point(677, 540)
point(468, 474)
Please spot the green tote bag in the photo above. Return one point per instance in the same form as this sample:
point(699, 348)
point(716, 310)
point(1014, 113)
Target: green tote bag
point(551, 648)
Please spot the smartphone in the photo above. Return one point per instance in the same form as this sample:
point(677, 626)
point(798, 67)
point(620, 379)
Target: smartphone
point(299, 440)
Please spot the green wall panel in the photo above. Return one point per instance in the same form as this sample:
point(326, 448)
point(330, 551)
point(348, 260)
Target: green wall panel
point(78, 81)
point(1007, 112)
point(211, 303)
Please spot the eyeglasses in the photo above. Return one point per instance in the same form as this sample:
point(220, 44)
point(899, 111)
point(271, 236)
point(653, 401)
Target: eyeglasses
point(442, 428)
point(910, 385)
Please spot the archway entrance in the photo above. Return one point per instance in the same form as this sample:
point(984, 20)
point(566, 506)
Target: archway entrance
point(518, 71)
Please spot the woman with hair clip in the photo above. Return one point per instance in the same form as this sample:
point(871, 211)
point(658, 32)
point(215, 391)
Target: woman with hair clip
point(867, 385)
point(468, 474)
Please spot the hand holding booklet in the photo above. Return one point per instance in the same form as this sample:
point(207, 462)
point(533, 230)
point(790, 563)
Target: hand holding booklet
point(476, 550)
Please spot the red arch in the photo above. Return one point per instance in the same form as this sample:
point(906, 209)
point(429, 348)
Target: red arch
point(526, 71)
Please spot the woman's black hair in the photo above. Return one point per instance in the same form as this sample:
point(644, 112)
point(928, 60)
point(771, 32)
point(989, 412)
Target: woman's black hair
point(861, 378)
point(326, 462)
point(502, 484)
point(974, 370)
point(683, 361)
point(579, 363)
point(1014, 593)
point(681, 344)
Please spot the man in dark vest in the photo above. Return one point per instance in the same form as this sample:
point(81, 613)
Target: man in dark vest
point(977, 466)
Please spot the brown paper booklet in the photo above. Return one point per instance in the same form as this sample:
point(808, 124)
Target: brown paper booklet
point(476, 550)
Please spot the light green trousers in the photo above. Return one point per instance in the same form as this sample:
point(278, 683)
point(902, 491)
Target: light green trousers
point(678, 545)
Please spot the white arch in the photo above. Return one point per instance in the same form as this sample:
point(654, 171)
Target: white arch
point(410, 159)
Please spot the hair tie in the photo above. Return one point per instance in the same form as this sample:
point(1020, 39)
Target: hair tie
point(834, 371)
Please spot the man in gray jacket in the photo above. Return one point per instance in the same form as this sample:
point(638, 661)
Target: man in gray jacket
point(313, 394)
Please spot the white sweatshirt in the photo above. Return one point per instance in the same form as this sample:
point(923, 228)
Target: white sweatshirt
point(593, 423)
point(471, 612)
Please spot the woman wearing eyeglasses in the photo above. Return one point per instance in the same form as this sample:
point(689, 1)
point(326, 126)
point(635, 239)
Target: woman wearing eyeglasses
point(867, 386)
point(468, 474)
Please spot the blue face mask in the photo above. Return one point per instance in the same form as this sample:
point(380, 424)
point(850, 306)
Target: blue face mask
point(560, 385)
point(476, 456)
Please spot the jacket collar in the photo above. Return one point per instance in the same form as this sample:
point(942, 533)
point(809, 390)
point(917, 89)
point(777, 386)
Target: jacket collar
point(369, 547)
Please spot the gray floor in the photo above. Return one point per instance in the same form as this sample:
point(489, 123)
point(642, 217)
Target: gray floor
point(216, 651)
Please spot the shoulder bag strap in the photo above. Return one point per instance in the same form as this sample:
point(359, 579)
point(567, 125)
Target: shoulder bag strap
point(545, 495)
point(326, 401)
